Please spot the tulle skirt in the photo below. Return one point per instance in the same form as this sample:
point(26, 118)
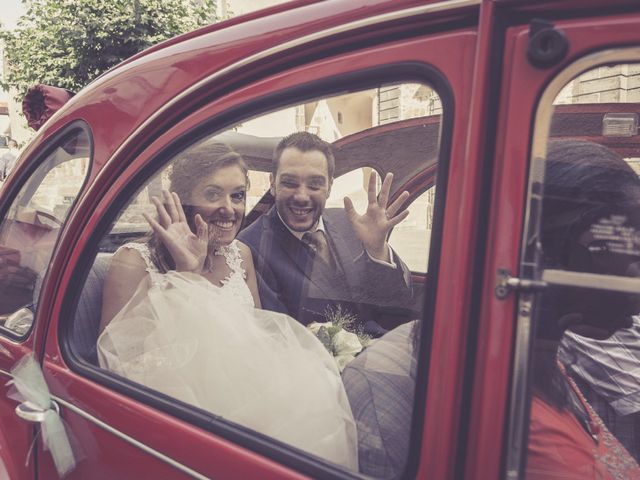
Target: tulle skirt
point(187, 338)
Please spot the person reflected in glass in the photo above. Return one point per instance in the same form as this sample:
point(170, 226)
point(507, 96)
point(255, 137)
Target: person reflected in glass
point(607, 371)
point(8, 159)
point(587, 190)
point(178, 317)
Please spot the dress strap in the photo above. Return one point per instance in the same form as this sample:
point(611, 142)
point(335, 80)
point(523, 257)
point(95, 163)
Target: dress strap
point(145, 253)
point(231, 254)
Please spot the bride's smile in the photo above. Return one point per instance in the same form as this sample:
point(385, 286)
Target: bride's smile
point(224, 225)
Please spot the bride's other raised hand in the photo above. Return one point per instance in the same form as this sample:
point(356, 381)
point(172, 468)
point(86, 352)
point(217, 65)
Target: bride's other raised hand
point(188, 249)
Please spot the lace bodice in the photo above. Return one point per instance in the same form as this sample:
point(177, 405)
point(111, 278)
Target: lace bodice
point(234, 284)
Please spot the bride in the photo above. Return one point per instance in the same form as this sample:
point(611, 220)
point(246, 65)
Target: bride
point(181, 315)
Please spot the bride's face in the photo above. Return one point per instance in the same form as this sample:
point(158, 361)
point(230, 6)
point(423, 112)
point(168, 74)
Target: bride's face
point(220, 199)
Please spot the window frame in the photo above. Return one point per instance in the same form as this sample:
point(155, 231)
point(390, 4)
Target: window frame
point(24, 176)
point(519, 405)
point(398, 72)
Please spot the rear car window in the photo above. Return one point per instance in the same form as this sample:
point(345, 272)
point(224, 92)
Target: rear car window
point(30, 229)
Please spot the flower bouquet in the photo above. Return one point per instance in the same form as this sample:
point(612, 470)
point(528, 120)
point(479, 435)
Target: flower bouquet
point(336, 336)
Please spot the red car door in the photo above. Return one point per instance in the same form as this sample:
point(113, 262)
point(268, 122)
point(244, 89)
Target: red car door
point(122, 430)
point(565, 63)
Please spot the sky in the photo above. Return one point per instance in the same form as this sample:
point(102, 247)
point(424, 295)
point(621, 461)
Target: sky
point(10, 11)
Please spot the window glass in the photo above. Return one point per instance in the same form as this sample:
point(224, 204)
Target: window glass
point(411, 238)
point(31, 227)
point(170, 296)
point(585, 384)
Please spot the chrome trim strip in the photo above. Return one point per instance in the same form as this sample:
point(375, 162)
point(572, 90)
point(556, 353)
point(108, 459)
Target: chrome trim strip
point(128, 439)
point(592, 280)
point(517, 409)
point(541, 129)
point(385, 17)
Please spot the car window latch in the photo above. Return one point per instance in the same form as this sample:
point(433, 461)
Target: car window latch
point(506, 283)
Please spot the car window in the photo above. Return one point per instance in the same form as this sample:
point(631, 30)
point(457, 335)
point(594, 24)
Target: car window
point(168, 304)
point(582, 243)
point(30, 228)
point(410, 236)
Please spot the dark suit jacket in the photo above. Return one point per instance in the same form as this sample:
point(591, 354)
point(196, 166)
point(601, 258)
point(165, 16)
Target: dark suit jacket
point(290, 281)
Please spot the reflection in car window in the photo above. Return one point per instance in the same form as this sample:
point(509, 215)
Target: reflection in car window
point(169, 301)
point(411, 237)
point(586, 356)
point(31, 227)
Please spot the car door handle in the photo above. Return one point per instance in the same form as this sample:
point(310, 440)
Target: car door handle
point(32, 413)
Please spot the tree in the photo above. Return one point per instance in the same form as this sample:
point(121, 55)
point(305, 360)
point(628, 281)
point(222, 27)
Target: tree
point(68, 43)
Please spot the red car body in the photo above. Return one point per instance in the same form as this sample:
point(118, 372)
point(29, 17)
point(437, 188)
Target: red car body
point(478, 49)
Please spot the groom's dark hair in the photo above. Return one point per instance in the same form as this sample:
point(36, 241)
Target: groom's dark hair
point(305, 142)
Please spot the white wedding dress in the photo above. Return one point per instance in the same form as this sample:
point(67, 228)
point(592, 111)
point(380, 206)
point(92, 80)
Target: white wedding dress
point(207, 346)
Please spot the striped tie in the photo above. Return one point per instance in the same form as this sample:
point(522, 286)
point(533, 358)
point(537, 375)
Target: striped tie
point(317, 241)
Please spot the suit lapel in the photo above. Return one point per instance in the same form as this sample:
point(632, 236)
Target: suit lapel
point(345, 248)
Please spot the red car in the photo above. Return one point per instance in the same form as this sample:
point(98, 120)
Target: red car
point(454, 97)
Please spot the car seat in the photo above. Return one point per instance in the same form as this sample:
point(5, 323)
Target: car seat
point(87, 318)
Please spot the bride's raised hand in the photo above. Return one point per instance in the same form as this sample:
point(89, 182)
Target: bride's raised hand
point(188, 249)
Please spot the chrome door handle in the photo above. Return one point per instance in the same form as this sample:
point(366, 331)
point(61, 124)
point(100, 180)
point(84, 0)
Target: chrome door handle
point(31, 413)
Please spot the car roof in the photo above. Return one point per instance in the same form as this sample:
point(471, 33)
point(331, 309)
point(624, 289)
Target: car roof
point(120, 102)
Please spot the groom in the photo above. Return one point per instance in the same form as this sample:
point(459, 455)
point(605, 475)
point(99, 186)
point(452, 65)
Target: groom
point(312, 261)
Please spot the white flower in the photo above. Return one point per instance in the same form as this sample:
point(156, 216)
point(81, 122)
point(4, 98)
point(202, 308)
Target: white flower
point(346, 343)
point(315, 326)
point(342, 344)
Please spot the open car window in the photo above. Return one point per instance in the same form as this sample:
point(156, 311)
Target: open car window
point(31, 227)
point(344, 312)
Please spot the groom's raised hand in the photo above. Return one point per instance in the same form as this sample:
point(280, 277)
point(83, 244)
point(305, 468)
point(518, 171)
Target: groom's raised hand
point(188, 249)
point(374, 226)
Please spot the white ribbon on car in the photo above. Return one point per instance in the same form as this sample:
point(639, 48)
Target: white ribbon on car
point(32, 389)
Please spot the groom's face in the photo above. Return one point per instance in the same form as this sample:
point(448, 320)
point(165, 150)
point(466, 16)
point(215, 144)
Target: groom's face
point(301, 186)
